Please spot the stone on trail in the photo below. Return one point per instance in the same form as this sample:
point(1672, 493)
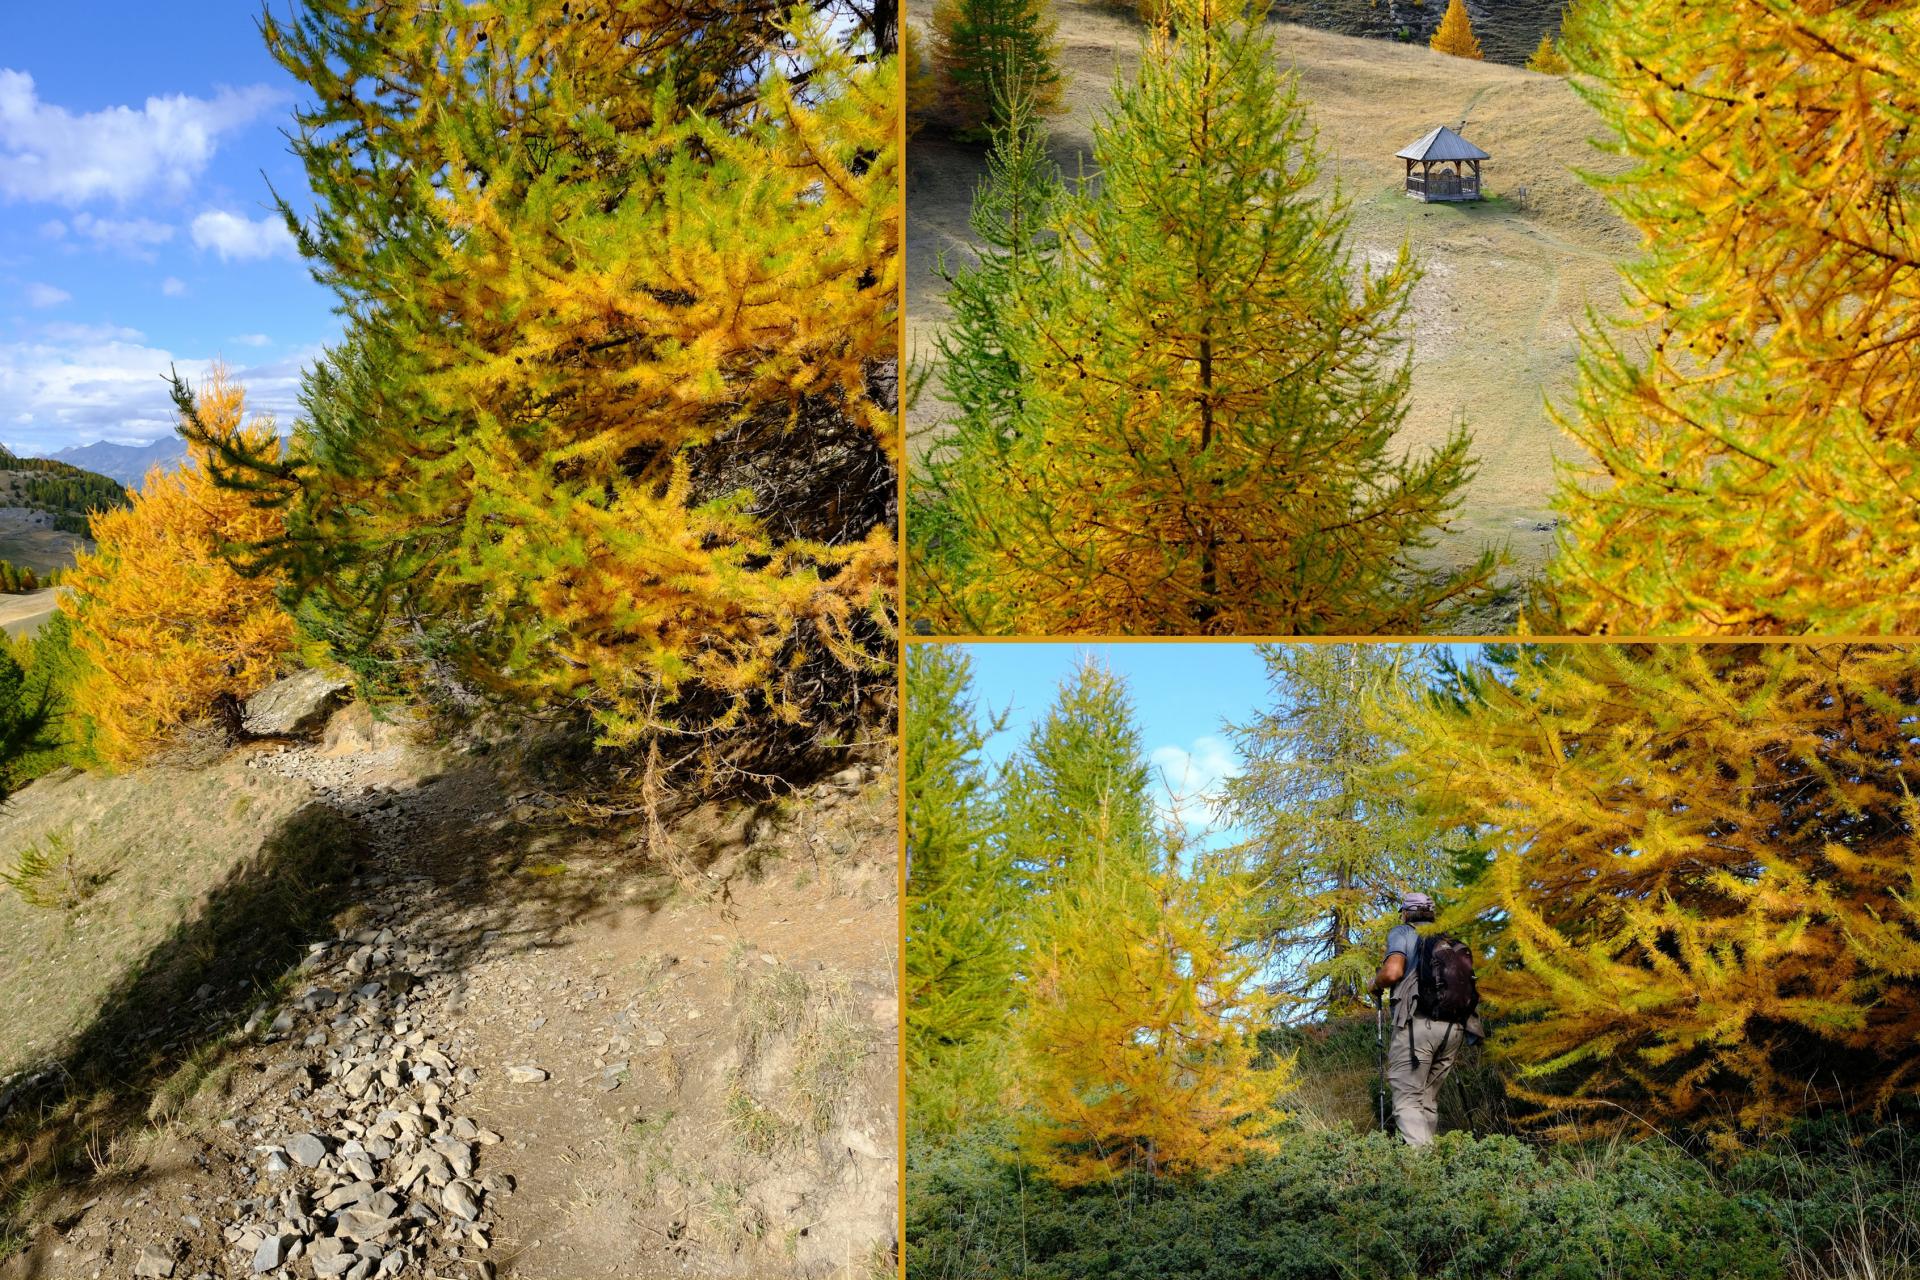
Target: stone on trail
point(526, 1075)
point(296, 706)
point(331, 1258)
point(154, 1262)
point(271, 1253)
point(458, 1201)
point(306, 1149)
point(365, 1224)
point(351, 1194)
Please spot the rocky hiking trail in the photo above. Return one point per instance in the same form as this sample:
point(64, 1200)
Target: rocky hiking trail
point(509, 1053)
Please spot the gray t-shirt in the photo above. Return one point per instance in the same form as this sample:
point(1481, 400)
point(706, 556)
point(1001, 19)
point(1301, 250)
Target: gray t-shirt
point(1405, 939)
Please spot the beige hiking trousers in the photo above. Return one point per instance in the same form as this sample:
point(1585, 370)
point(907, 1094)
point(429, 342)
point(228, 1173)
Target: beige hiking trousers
point(1416, 1090)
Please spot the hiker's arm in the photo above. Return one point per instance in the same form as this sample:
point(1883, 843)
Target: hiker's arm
point(1394, 969)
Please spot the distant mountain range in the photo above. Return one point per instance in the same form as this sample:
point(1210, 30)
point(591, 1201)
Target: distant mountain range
point(127, 463)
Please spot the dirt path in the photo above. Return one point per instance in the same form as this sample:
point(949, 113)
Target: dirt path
point(515, 1056)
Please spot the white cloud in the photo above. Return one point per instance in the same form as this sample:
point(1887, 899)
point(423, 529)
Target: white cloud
point(53, 229)
point(234, 237)
point(1189, 779)
point(173, 287)
point(134, 237)
point(77, 384)
point(49, 153)
point(61, 331)
point(45, 295)
point(254, 340)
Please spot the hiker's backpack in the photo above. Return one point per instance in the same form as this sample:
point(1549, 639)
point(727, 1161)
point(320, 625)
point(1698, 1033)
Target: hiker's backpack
point(1446, 991)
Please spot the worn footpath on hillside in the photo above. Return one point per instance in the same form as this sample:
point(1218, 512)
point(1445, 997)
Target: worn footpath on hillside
point(505, 1052)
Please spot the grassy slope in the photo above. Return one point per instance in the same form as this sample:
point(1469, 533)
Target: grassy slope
point(1493, 323)
point(27, 545)
point(155, 844)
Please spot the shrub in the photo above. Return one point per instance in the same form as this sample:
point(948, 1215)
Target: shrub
point(1338, 1204)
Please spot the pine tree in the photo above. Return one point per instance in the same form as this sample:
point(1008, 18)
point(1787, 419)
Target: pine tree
point(1332, 840)
point(1547, 58)
point(612, 427)
point(979, 375)
point(980, 47)
point(960, 910)
point(1082, 762)
point(1455, 35)
point(1136, 1047)
point(1770, 397)
point(1704, 890)
point(163, 625)
point(1209, 399)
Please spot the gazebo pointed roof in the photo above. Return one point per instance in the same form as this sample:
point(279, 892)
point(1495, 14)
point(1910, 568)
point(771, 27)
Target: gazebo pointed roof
point(1442, 144)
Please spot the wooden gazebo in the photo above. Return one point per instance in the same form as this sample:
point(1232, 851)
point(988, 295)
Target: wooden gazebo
point(1443, 147)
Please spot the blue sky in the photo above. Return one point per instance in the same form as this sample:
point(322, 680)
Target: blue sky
point(137, 141)
point(1181, 694)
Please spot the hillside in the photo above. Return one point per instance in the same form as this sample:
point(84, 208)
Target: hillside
point(379, 995)
point(1493, 323)
point(127, 463)
point(43, 510)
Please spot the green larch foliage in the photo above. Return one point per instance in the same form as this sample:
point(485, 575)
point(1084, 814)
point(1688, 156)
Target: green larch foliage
point(979, 374)
point(1083, 761)
point(961, 909)
point(1333, 840)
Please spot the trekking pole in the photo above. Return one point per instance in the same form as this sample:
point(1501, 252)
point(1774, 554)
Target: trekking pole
point(1380, 1039)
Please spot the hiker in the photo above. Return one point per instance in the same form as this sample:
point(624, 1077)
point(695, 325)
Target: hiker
point(1430, 1026)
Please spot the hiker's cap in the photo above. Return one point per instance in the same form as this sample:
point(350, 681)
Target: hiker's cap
point(1411, 902)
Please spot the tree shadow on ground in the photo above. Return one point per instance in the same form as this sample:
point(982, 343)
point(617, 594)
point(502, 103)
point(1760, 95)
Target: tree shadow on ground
point(183, 1010)
point(185, 997)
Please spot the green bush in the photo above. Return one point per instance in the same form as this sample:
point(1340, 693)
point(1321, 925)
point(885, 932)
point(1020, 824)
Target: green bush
point(1340, 1204)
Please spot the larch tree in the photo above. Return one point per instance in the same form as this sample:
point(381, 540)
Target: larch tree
point(1082, 763)
point(1547, 59)
point(613, 425)
point(1751, 434)
point(1332, 840)
point(979, 374)
point(1136, 1048)
point(1205, 437)
point(163, 626)
point(1705, 886)
point(1455, 35)
point(980, 47)
point(961, 909)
